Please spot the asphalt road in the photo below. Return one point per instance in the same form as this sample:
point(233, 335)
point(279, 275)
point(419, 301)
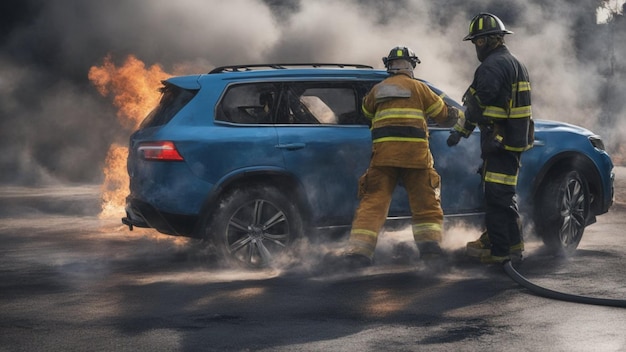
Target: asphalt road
point(70, 281)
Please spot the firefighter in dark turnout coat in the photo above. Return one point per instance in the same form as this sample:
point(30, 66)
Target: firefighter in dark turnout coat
point(498, 102)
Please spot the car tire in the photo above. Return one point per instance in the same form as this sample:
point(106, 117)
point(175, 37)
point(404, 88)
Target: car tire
point(255, 226)
point(561, 211)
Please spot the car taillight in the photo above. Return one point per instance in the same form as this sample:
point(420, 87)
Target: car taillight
point(162, 150)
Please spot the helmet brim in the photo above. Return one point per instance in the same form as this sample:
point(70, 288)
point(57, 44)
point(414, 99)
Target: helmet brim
point(484, 34)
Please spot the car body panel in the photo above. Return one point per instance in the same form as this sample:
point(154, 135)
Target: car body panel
point(327, 160)
point(555, 140)
point(320, 162)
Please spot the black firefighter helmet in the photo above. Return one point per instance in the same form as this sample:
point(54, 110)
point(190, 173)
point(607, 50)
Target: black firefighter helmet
point(401, 52)
point(485, 24)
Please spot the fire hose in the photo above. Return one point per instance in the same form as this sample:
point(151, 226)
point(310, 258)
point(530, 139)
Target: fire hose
point(544, 292)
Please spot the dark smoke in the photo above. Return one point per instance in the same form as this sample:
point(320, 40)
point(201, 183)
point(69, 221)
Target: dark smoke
point(56, 128)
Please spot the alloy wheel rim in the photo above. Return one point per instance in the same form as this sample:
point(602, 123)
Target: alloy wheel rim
point(257, 232)
point(572, 213)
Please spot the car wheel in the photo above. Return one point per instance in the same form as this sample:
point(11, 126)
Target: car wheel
point(561, 211)
point(255, 226)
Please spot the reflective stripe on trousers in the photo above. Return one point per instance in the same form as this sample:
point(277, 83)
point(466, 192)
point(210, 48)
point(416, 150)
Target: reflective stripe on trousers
point(378, 184)
point(502, 218)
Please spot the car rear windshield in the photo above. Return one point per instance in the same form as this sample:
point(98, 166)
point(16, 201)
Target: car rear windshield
point(173, 99)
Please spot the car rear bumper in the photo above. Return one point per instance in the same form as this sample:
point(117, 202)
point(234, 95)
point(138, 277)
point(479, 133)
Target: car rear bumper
point(144, 215)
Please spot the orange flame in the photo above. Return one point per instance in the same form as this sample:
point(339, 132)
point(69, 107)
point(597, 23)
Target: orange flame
point(115, 182)
point(134, 89)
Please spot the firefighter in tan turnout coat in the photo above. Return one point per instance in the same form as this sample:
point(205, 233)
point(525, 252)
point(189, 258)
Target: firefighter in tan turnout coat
point(399, 107)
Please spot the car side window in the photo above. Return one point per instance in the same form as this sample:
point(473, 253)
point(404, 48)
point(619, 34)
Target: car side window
point(293, 110)
point(248, 104)
point(333, 103)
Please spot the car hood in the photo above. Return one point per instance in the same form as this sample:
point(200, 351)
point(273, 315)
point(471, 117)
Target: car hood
point(549, 125)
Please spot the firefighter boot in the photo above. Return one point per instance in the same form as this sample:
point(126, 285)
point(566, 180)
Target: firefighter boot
point(479, 248)
point(429, 249)
point(432, 256)
point(514, 258)
point(353, 261)
point(482, 248)
point(334, 262)
point(492, 259)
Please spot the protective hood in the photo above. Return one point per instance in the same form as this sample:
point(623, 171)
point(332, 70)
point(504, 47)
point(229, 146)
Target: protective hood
point(400, 66)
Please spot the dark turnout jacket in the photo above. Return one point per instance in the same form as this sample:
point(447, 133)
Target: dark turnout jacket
point(498, 101)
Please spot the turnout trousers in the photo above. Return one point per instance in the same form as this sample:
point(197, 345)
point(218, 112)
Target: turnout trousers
point(502, 219)
point(376, 187)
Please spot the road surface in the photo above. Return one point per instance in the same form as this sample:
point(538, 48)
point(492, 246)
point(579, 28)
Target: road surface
point(70, 281)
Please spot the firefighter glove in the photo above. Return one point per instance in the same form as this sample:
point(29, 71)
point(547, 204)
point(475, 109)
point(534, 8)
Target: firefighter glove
point(454, 138)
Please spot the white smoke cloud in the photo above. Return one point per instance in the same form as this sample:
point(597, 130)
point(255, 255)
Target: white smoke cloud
point(47, 55)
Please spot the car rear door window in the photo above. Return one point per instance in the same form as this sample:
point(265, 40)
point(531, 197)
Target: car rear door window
point(248, 104)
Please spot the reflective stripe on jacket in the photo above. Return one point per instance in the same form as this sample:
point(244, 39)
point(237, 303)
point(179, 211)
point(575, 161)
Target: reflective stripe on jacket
point(499, 98)
point(399, 107)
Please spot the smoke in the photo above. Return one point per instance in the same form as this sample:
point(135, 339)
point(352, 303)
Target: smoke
point(55, 126)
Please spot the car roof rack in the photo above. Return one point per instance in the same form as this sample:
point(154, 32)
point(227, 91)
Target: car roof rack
point(239, 68)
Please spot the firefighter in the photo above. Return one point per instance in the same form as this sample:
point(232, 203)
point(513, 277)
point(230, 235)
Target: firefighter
point(399, 107)
point(498, 102)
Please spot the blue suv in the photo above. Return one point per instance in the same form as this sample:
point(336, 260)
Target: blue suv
point(253, 157)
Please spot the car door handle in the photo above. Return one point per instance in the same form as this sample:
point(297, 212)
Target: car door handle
point(291, 146)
